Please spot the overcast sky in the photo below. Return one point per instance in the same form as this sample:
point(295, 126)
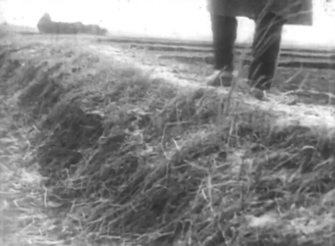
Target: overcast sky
point(169, 18)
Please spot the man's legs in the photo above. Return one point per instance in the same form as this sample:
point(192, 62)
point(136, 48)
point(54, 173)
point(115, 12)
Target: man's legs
point(265, 51)
point(224, 36)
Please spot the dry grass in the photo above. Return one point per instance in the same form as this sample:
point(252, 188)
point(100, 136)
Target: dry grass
point(126, 158)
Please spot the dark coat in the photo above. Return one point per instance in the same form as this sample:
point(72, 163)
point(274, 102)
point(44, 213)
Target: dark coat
point(296, 12)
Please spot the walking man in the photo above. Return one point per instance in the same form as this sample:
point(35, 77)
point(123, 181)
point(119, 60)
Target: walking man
point(270, 17)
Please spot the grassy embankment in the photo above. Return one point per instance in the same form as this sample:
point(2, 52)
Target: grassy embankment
point(93, 149)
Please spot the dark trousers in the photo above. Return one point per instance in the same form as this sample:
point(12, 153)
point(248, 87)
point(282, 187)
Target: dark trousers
point(265, 47)
point(224, 31)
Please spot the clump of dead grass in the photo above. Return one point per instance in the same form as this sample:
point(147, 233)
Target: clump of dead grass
point(128, 157)
point(21, 195)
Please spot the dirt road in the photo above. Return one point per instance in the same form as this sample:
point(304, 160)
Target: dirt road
point(309, 74)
